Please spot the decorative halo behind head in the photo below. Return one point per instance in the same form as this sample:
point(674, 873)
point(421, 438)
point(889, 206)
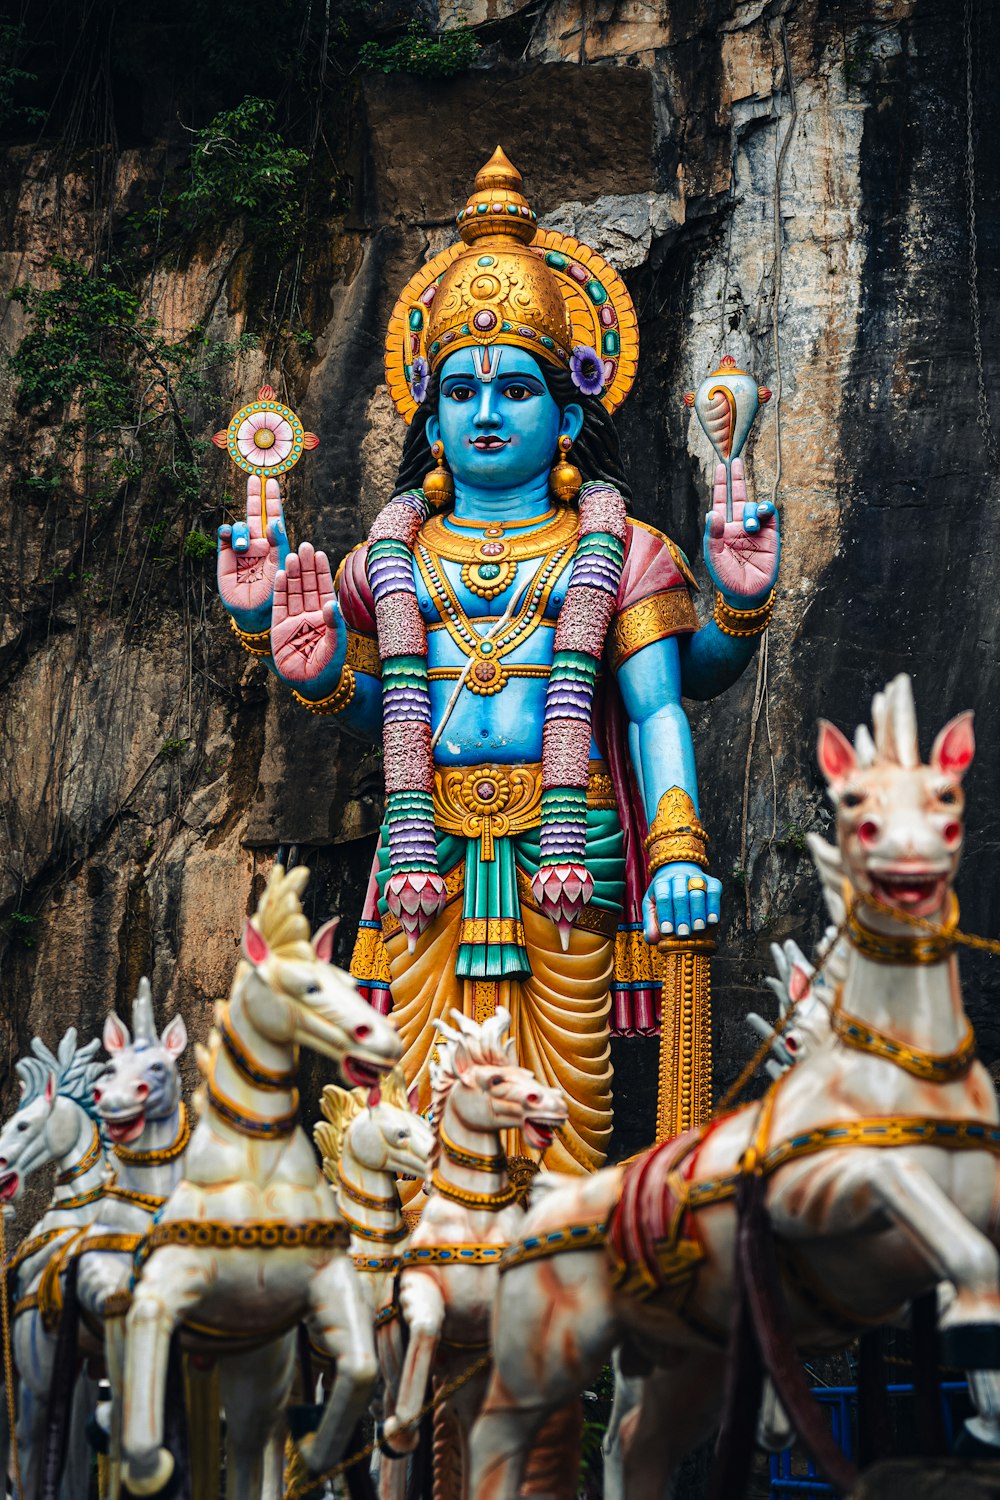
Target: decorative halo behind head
point(506, 281)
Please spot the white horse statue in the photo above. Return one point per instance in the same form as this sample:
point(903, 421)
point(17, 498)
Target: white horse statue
point(53, 1123)
point(877, 1153)
point(364, 1147)
point(250, 1244)
point(449, 1274)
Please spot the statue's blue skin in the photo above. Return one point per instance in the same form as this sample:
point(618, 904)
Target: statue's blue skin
point(500, 439)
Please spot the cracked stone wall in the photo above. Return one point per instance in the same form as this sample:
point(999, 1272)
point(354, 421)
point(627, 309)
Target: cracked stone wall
point(654, 132)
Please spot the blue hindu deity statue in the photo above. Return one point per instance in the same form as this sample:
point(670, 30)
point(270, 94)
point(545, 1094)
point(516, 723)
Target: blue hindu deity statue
point(520, 645)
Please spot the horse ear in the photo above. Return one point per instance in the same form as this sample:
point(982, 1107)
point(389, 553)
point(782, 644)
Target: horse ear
point(799, 981)
point(174, 1038)
point(461, 1061)
point(834, 752)
point(413, 1099)
point(253, 946)
point(955, 746)
point(116, 1034)
point(50, 1089)
point(322, 943)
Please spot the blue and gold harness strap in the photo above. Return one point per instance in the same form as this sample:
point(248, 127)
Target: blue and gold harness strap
point(451, 1255)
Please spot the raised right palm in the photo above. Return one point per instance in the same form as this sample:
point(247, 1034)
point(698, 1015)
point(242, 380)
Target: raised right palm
point(305, 619)
point(249, 560)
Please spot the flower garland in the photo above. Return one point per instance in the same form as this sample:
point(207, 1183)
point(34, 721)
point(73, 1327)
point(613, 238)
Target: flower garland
point(415, 892)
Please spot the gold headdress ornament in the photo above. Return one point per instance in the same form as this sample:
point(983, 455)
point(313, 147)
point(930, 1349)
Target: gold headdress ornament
point(508, 282)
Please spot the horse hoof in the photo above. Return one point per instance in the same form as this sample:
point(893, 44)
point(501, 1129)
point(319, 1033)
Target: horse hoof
point(162, 1480)
point(978, 1439)
point(971, 1346)
point(303, 1419)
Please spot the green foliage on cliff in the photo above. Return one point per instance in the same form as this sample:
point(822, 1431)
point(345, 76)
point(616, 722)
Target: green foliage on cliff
point(422, 53)
point(241, 164)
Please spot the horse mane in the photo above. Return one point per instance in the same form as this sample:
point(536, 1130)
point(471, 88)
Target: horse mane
point(894, 720)
point(75, 1070)
point(483, 1042)
point(279, 917)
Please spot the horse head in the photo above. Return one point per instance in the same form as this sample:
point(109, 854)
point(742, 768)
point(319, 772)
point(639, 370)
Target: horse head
point(140, 1082)
point(489, 1090)
point(293, 994)
point(385, 1136)
point(900, 822)
point(55, 1094)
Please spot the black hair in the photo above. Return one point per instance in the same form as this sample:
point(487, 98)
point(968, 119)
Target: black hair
point(596, 452)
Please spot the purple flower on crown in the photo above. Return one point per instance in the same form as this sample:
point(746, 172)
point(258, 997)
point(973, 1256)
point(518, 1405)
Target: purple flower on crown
point(420, 372)
point(586, 370)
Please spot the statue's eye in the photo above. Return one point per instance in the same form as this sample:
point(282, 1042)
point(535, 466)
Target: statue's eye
point(852, 799)
point(948, 795)
point(461, 393)
point(518, 393)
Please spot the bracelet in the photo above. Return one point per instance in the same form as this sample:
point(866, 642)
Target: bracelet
point(337, 700)
point(743, 622)
point(676, 834)
point(257, 643)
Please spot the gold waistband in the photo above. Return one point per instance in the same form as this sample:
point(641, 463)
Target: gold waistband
point(491, 802)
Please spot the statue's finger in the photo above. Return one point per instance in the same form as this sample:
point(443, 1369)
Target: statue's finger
point(324, 577)
point(719, 491)
point(751, 525)
point(253, 506)
point(696, 901)
point(766, 509)
point(294, 572)
point(739, 482)
point(650, 927)
point(225, 535)
point(715, 524)
point(682, 906)
point(713, 900)
point(307, 560)
point(279, 605)
point(241, 537)
point(330, 615)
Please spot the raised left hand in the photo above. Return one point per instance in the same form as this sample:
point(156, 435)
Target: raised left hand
point(742, 554)
point(672, 909)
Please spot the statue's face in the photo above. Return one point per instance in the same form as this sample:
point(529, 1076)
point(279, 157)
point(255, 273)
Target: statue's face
point(499, 429)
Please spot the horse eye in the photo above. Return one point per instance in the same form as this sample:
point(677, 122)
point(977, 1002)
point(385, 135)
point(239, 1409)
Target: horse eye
point(314, 989)
point(157, 1067)
point(23, 1125)
point(496, 1080)
point(852, 799)
point(949, 796)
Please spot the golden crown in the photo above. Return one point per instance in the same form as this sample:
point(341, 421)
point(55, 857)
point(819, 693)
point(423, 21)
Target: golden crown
point(508, 282)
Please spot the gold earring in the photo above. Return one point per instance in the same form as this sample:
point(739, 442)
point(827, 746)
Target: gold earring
point(439, 487)
point(565, 478)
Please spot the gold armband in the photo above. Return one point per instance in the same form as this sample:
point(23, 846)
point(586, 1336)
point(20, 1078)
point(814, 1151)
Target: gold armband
point(362, 653)
point(338, 699)
point(676, 834)
point(743, 622)
point(256, 643)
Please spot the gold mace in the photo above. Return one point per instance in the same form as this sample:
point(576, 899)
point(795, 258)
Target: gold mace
point(684, 1089)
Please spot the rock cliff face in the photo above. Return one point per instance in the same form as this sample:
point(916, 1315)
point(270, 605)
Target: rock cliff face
point(783, 182)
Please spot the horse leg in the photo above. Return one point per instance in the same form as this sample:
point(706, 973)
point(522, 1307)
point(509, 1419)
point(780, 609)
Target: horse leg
point(391, 1476)
point(173, 1282)
point(628, 1394)
point(339, 1320)
point(76, 1477)
point(970, 1327)
point(254, 1389)
point(34, 1354)
point(422, 1305)
point(677, 1410)
point(534, 1374)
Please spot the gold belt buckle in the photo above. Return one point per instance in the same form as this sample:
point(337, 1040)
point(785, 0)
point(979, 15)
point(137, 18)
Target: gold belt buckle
point(488, 802)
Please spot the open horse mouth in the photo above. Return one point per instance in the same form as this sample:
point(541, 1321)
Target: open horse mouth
point(9, 1183)
point(917, 891)
point(540, 1133)
point(122, 1132)
point(363, 1075)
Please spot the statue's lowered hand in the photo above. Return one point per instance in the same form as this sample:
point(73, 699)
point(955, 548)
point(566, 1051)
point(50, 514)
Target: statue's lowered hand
point(249, 560)
point(306, 623)
point(742, 554)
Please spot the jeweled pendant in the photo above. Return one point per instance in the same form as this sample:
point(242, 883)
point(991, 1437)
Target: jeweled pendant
point(488, 579)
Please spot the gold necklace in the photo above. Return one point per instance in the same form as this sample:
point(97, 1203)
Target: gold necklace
point(156, 1158)
point(932, 1067)
point(883, 949)
point(489, 560)
point(488, 675)
point(492, 1202)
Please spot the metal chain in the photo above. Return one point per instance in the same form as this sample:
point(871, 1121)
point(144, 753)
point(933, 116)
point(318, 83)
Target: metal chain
point(8, 1358)
point(983, 402)
point(297, 1490)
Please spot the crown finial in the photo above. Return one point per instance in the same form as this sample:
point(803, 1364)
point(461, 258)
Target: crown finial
point(497, 205)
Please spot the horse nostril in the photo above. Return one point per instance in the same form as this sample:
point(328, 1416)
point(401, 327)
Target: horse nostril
point(952, 833)
point(867, 831)
point(142, 1090)
point(533, 1099)
point(97, 1095)
point(361, 1032)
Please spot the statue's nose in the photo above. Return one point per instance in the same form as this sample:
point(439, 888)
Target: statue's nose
point(486, 413)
